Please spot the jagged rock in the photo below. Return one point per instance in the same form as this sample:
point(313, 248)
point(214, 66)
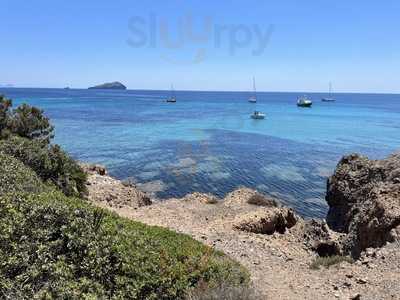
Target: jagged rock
point(364, 201)
point(266, 221)
point(355, 297)
point(105, 189)
point(203, 198)
point(319, 238)
point(94, 169)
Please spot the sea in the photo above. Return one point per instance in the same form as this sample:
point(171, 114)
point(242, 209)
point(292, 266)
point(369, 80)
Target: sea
point(207, 142)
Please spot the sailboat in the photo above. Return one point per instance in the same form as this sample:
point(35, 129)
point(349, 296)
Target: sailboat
point(172, 99)
point(257, 115)
point(330, 98)
point(253, 99)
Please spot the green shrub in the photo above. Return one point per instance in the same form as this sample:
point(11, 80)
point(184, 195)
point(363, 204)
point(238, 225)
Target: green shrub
point(5, 105)
point(49, 162)
point(16, 177)
point(329, 261)
point(57, 247)
point(25, 121)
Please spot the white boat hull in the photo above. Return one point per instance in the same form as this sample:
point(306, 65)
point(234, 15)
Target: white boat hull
point(253, 100)
point(258, 116)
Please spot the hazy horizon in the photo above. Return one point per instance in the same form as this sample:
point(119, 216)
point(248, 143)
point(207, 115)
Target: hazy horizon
point(211, 91)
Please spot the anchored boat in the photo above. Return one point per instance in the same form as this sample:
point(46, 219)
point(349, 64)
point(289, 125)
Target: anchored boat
point(257, 115)
point(172, 99)
point(253, 99)
point(304, 102)
point(330, 98)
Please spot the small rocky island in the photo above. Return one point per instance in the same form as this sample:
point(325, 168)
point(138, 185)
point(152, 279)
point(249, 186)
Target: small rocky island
point(109, 86)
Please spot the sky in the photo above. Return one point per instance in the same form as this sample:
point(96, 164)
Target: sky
point(287, 45)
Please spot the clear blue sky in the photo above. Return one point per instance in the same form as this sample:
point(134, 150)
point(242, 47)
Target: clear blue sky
point(354, 43)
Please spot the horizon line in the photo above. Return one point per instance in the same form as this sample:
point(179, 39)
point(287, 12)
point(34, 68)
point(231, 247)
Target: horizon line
point(212, 91)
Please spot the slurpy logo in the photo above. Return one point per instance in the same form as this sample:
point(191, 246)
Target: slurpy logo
point(180, 36)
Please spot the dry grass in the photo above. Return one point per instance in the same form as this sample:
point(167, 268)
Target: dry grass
point(223, 293)
point(261, 200)
point(329, 261)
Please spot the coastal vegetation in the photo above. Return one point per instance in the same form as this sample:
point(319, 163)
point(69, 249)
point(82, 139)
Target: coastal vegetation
point(24, 121)
point(55, 244)
point(16, 177)
point(49, 162)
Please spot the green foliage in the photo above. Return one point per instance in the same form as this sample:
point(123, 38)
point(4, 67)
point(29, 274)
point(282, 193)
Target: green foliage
point(328, 261)
point(49, 162)
point(5, 105)
point(16, 177)
point(25, 121)
point(30, 122)
point(57, 247)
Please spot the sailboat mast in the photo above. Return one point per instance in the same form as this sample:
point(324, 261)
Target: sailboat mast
point(330, 89)
point(254, 86)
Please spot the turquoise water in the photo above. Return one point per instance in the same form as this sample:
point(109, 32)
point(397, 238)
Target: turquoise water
point(207, 142)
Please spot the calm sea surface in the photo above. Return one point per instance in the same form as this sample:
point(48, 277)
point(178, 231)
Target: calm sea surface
point(207, 142)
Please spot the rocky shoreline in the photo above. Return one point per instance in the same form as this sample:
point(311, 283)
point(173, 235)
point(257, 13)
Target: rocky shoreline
point(279, 247)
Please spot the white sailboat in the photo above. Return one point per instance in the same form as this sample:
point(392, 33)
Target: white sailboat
point(172, 99)
point(330, 98)
point(253, 99)
point(257, 115)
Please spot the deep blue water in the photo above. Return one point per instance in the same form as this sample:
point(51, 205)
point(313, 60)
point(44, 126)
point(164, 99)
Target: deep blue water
point(207, 142)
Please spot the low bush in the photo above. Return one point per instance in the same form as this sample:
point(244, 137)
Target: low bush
point(53, 246)
point(49, 162)
point(16, 177)
point(261, 200)
point(24, 121)
point(5, 107)
point(329, 261)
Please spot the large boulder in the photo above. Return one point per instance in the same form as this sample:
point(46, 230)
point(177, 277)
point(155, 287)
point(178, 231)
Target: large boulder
point(364, 201)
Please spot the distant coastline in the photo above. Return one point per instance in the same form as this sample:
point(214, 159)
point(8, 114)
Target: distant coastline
point(16, 87)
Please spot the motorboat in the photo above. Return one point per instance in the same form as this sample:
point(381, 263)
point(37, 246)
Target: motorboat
point(304, 102)
point(257, 115)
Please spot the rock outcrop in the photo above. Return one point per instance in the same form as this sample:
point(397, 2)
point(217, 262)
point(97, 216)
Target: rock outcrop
point(364, 201)
point(266, 220)
point(317, 237)
point(107, 191)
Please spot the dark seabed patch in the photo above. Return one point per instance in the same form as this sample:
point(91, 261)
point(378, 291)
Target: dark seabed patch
point(281, 168)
